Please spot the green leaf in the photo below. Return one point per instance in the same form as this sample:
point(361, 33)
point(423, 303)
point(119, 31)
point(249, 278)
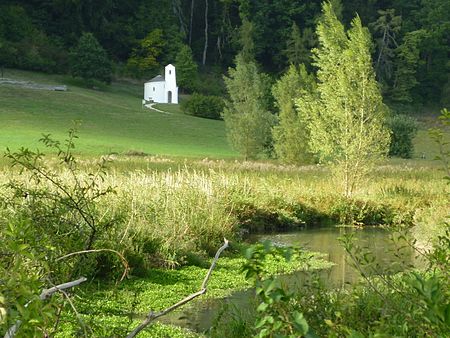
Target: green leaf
point(300, 322)
point(262, 307)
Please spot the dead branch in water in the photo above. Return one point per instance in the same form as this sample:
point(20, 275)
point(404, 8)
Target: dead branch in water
point(154, 315)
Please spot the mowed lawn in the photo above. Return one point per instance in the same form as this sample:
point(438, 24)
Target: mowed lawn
point(112, 120)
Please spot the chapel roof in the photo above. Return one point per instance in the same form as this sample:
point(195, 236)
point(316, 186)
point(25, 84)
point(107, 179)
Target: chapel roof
point(157, 78)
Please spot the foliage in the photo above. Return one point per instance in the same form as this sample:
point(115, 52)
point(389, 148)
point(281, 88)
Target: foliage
point(437, 134)
point(291, 135)
point(144, 58)
point(247, 115)
point(346, 117)
point(407, 62)
point(90, 61)
point(203, 106)
point(36, 35)
point(298, 46)
point(386, 29)
point(25, 46)
point(246, 42)
point(186, 69)
point(24, 266)
point(63, 209)
point(403, 130)
point(51, 217)
point(414, 302)
point(272, 318)
point(211, 83)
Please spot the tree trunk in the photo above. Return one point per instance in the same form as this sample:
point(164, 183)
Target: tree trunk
point(178, 12)
point(190, 22)
point(206, 33)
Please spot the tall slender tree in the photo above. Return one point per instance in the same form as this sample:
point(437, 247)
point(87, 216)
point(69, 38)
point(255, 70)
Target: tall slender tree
point(246, 41)
point(296, 51)
point(291, 135)
point(247, 115)
point(386, 28)
point(347, 116)
point(408, 58)
point(186, 69)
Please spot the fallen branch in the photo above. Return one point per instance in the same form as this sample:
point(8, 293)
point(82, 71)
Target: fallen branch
point(44, 295)
point(154, 315)
point(122, 258)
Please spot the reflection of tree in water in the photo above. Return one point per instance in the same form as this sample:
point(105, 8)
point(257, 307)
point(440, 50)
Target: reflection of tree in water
point(387, 257)
point(324, 240)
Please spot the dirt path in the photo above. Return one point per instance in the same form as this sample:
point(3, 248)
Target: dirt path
point(151, 106)
point(32, 85)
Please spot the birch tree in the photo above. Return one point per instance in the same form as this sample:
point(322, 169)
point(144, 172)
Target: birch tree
point(347, 116)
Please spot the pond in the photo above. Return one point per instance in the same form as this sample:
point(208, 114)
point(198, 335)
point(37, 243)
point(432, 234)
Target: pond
point(324, 240)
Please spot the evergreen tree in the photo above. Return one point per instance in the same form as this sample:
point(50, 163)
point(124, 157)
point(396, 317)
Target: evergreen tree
point(247, 115)
point(186, 68)
point(291, 135)
point(347, 116)
point(296, 50)
point(386, 28)
point(90, 61)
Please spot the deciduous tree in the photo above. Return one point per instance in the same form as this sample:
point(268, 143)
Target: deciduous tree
point(347, 116)
point(145, 57)
point(247, 115)
point(386, 28)
point(291, 135)
point(186, 68)
point(297, 51)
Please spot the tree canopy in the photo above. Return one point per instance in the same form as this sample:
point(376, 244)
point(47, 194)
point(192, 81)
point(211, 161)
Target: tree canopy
point(347, 114)
point(411, 54)
point(90, 61)
point(247, 113)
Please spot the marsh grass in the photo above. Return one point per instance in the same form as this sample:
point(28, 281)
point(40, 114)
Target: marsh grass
point(176, 211)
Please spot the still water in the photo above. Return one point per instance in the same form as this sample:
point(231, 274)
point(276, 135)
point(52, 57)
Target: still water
point(325, 240)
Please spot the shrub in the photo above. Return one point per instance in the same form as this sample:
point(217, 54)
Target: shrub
point(404, 129)
point(200, 105)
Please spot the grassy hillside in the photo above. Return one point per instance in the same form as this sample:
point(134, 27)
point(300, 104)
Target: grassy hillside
point(112, 120)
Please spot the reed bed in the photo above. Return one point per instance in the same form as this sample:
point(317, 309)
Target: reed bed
point(170, 211)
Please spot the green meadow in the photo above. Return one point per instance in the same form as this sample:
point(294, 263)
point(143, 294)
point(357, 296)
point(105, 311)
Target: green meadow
point(111, 120)
point(178, 191)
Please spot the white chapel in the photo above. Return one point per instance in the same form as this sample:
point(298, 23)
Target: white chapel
point(162, 89)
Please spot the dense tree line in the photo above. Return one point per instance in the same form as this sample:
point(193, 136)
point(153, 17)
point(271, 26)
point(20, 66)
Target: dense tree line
point(410, 53)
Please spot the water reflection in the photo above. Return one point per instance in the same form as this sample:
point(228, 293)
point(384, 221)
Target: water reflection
point(388, 256)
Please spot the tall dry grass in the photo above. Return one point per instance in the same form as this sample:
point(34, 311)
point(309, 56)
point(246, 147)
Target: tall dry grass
point(168, 210)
